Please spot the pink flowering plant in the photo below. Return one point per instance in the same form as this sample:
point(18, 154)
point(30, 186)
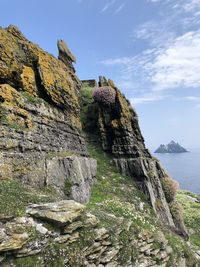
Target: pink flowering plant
point(105, 96)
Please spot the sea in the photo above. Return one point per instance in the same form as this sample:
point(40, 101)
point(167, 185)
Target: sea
point(184, 168)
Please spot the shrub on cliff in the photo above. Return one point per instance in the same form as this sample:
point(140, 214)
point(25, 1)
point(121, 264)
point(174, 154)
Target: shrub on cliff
point(89, 110)
point(170, 188)
point(105, 96)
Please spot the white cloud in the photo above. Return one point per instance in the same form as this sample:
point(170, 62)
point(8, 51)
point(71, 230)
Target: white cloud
point(177, 65)
point(149, 98)
point(154, 1)
point(172, 60)
point(191, 5)
point(107, 5)
point(192, 98)
point(154, 34)
point(116, 61)
point(119, 8)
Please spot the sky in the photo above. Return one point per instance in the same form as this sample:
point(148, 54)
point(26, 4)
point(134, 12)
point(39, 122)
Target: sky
point(150, 48)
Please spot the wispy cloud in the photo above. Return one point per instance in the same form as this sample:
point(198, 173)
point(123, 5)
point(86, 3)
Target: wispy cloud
point(119, 8)
point(177, 65)
point(149, 98)
point(116, 61)
point(172, 60)
point(107, 5)
point(193, 99)
point(170, 67)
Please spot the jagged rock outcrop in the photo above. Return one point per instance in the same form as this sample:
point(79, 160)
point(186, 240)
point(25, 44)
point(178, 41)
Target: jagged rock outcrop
point(172, 147)
point(40, 118)
point(121, 135)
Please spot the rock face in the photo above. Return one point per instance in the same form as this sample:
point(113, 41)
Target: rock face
point(71, 176)
point(40, 117)
point(121, 135)
point(172, 147)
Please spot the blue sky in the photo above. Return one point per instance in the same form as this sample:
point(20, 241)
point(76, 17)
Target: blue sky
point(150, 48)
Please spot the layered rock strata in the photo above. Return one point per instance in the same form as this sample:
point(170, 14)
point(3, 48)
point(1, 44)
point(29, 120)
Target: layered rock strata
point(121, 136)
point(40, 118)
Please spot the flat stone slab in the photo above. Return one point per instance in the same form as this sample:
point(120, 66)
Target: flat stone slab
point(59, 213)
point(12, 242)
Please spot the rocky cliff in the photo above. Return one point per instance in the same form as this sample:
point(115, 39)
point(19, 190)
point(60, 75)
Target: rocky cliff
point(41, 143)
point(51, 163)
point(121, 136)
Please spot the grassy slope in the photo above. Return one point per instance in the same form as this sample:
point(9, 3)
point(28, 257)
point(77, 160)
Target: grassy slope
point(191, 213)
point(118, 195)
point(14, 197)
point(112, 194)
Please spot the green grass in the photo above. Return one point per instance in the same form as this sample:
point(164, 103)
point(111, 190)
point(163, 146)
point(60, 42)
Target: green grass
point(89, 110)
point(31, 99)
point(117, 194)
point(61, 154)
point(191, 214)
point(14, 197)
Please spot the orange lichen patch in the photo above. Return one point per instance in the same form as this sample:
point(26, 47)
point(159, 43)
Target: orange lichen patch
point(57, 80)
point(59, 86)
point(9, 63)
point(125, 110)
point(28, 81)
point(13, 103)
point(21, 63)
point(9, 95)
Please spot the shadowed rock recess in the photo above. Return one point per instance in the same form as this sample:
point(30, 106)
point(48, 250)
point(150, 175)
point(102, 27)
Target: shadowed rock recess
point(77, 185)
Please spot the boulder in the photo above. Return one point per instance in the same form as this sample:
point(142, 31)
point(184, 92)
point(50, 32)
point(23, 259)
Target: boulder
point(12, 241)
point(58, 213)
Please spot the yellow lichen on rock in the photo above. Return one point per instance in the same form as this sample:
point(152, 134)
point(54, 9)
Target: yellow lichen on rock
point(25, 66)
point(59, 86)
point(28, 81)
point(56, 80)
point(125, 117)
point(9, 95)
point(13, 103)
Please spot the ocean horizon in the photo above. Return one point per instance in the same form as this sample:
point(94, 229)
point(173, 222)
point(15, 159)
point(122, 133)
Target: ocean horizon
point(183, 167)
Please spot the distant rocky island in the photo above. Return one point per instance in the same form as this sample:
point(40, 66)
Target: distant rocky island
point(172, 147)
